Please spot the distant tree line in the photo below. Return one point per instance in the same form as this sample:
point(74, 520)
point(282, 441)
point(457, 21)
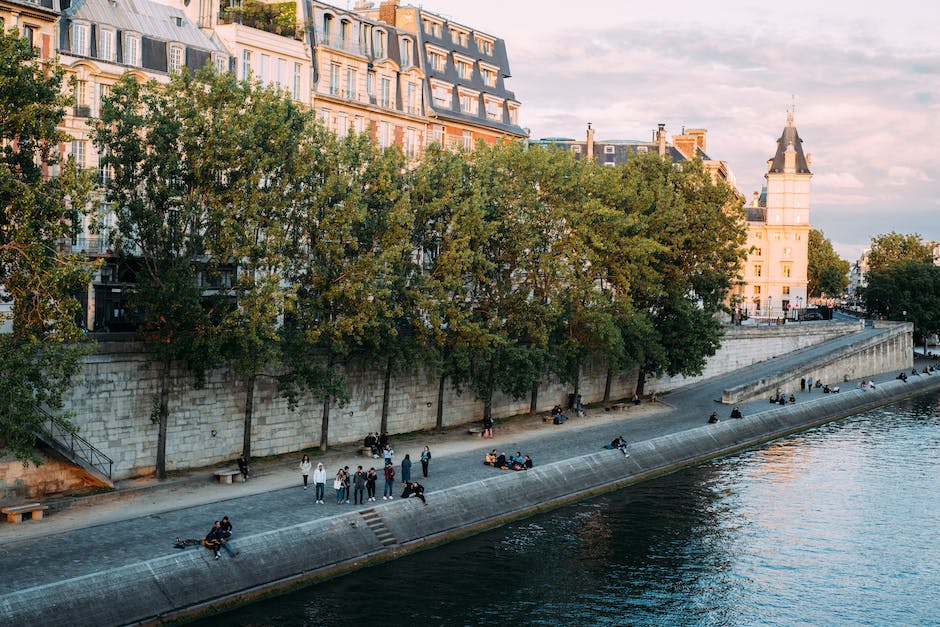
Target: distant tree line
point(493, 267)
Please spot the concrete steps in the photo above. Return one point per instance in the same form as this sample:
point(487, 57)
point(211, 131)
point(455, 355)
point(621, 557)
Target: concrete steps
point(374, 521)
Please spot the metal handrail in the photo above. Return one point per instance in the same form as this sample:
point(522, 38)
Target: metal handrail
point(79, 447)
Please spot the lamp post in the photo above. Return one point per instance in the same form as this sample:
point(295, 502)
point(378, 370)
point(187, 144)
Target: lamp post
point(770, 310)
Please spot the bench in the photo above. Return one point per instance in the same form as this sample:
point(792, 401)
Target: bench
point(227, 476)
point(366, 451)
point(548, 419)
point(477, 431)
point(15, 514)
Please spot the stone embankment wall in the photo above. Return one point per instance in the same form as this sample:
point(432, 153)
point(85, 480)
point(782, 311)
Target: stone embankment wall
point(113, 400)
point(867, 357)
point(162, 588)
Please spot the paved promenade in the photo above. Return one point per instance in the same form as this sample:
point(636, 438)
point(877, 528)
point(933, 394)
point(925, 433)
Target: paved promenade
point(141, 520)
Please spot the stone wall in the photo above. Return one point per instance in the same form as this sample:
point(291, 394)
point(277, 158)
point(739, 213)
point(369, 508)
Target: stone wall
point(113, 400)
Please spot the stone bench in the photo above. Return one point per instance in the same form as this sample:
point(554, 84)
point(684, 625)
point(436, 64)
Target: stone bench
point(617, 407)
point(15, 514)
point(477, 431)
point(227, 476)
point(365, 451)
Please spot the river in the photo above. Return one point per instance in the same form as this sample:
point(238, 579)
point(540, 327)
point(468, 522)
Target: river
point(833, 526)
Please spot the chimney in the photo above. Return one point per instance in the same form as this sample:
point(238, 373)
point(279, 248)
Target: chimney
point(755, 200)
point(590, 142)
point(388, 12)
point(661, 139)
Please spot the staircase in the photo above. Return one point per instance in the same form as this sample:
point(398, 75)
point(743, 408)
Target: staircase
point(375, 523)
point(55, 434)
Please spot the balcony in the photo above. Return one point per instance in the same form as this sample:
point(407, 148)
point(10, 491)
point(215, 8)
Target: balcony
point(279, 18)
point(82, 111)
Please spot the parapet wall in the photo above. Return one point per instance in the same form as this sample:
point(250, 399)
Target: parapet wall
point(165, 587)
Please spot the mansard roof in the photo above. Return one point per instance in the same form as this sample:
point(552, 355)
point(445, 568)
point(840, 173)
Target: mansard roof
point(787, 138)
point(150, 19)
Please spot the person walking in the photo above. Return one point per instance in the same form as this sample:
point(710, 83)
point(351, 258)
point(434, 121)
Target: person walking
point(319, 482)
point(305, 467)
point(425, 461)
point(359, 485)
point(406, 468)
point(389, 482)
point(371, 478)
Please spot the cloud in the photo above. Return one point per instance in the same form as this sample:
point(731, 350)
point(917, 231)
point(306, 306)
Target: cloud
point(836, 180)
point(900, 176)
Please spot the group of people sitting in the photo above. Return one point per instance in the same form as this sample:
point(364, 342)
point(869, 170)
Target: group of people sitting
point(619, 443)
point(558, 415)
point(516, 462)
point(735, 413)
point(216, 539)
point(781, 398)
point(413, 488)
point(376, 443)
point(864, 385)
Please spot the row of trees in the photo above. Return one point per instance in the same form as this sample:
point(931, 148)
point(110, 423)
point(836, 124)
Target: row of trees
point(494, 267)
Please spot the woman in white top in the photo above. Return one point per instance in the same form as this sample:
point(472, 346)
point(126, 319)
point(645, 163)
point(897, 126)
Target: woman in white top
point(305, 469)
point(319, 482)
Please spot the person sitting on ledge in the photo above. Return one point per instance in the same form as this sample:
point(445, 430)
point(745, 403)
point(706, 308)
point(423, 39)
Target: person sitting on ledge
point(501, 462)
point(518, 461)
point(902, 377)
point(713, 418)
point(528, 462)
point(490, 458)
point(736, 413)
point(834, 389)
point(826, 389)
point(792, 398)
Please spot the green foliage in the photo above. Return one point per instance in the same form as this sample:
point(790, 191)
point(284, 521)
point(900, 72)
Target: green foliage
point(39, 357)
point(908, 290)
point(894, 248)
point(827, 273)
point(279, 18)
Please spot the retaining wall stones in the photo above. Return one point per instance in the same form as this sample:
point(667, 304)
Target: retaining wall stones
point(162, 588)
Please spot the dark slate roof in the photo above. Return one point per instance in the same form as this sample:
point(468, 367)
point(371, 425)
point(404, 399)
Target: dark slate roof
point(150, 19)
point(789, 136)
point(51, 6)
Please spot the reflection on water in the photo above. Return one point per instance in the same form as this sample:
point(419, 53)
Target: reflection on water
point(835, 526)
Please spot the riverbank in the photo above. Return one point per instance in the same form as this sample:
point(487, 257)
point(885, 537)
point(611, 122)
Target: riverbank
point(285, 539)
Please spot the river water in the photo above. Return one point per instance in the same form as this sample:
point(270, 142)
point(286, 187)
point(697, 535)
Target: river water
point(839, 525)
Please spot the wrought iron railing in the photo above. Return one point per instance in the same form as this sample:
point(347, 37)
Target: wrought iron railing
point(74, 445)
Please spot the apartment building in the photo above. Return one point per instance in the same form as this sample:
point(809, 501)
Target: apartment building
point(35, 20)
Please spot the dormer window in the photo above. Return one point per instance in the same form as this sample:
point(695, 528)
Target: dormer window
point(220, 61)
point(489, 75)
point(406, 55)
point(131, 49)
point(459, 37)
point(464, 68)
point(175, 58)
point(433, 28)
point(381, 37)
point(106, 45)
point(437, 59)
point(178, 20)
point(80, 39)
point(484, 45)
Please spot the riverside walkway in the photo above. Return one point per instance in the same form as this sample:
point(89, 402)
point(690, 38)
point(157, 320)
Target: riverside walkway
point(141, 519)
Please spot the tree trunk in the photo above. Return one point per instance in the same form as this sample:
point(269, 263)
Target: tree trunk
point(325, 421)
point(164, 419)
point(385, 394)
point(640, 382)
point(534, 400)
point(249, 411)
point(488, 396)
point(440, 403)
point(610, 376)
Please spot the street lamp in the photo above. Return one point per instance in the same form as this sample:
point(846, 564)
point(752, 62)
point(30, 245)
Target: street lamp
point(770, 310)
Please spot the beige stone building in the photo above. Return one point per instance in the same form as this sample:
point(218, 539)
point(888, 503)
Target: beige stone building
point(774, 274)
point(35, 20)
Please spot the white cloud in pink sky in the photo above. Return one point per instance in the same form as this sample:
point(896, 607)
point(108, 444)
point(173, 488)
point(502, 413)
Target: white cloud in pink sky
point(866, 77)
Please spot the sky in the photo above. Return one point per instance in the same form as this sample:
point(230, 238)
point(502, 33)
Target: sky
point(864, 78)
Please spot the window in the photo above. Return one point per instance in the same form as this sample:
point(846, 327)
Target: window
point(296, 90)
point(459, 37)
point(787, 251)
point(221, 62)
point(489, 76)
point(281, 72)
point(358, 124)
point(441, 96)
point(757, 269)
point(325, 117)
point(29, 34)
point(265, 73)
point(513, 114)
point(131, 49)
point(758, 235)
point(485, 46)
point(103, 92)
point(786, 270)
point(576, 149)
point(786, 289)
point(246, 64)
point(494, 110)
point(642, 150)
point(437, 134)
point(406, 54)
point(467, 140)
point(435, 29)
point(608, 150)
point(411, 98)
point(757, 290)
point(351, 83)
point(437, 59)
point(776, 237)
point(383, 134)
point(380, 40)
point(342, 125)
point(468, 103)
point(104, 171)
point(175, 61)
point(106, 45)
point(344, 33)
point(334, 79)
point(411, 142)
point(758, 252)
point(80, 39)
point(464, 69)
point(386, 92)
point(78, 152)
point(327, 27)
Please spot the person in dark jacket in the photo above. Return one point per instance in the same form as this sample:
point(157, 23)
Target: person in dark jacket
point(243, 466)
point(359, 486)
point(406, 468)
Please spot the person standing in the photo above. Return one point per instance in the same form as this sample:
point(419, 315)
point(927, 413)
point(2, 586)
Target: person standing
point(389, 482)
point(803, 384)
point(347, 480)
point(371, 478)
point(338, 486)
point(243, 466)
point(387, 453)
point(359, 485)
point(305, 467)
point(425, 461)
point(319, 482)
point(487, 426)
point(406, 468)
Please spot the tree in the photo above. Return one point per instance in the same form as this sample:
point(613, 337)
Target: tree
point(40, 356)
point(827, 273)
point(893, 248)
point(170, 156)
point(907, 291)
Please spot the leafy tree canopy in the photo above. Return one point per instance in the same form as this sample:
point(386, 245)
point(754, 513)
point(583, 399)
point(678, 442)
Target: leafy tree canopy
point(827, 273)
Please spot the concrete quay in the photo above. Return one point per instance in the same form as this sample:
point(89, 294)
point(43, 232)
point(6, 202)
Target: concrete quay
point(110, 560)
